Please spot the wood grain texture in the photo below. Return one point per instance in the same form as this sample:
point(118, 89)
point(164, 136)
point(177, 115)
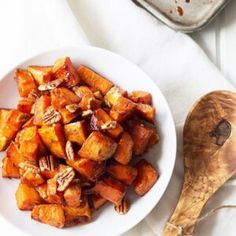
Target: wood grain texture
point(209, 157)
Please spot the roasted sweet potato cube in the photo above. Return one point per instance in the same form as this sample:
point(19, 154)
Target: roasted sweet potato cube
point(141, 97)
point(72, 195)
point(53, 196)
point(141, 135)
point(100, 120)
point(94, 80)
point(41, 74)
point(123, 109)
point(64, 69)
point(146, 178)
point(27, 197)
point(51, 214)
point(97, 201)
point(88, 168)
point(98, 147)
point(146, 111)
point(54, 139)
point(62, 97)
point(10, 123)
point(9, 170)
point(14, 154)
point(89, 102)
point(81, 91)
point(40, 107)
point(124, 150)
point(25, 105)
point(29, 143)
point(78, 215)
point(112, 96)
point(66, 116)
point(76, 132)
point(31, 178)
point(154, 138)
point(110, 189)
point(25, 82)
point(124, 173)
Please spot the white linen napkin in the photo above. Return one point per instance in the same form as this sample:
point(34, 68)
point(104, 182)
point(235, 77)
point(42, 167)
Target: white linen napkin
point(176, 64)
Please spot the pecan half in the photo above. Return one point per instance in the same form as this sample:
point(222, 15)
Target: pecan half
point(109, 125)
point(51, 116)
point(123, 208)
point(64, 178)
point(50, 85)
point(72, 108)
point(47, 163)
point(70, 151)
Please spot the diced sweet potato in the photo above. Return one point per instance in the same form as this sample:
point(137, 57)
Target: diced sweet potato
point(80, 214)
point(89, 102)
point(97, 201)
point(110, 189)
point(101, 118)
point(41, 74)
point(72, 195)
point(40, 107)
point(141, 97)
point(54, 139)
point(25, 82)
point(124, 150)
point(98, 147)
point(66, 116)
point(124, 173)
point(10, 123)
point(146, 178)
point(14, 154)
point(154, 138)
point(146, 111)
point(113, 95)
point(29, 143)
point(123, 109)
point(51, 214)
point(88, 168)
point(81, 91)
point(27, 197)
point(31, 178)
point(29, 123)
point(93, 79)
point(25, 105)
point(141, 135)
point(76, 132)
point(9, 170)
point(64, 69)
point(62, 97)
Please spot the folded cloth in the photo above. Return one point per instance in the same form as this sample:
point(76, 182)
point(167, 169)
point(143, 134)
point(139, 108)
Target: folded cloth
point(174, 62)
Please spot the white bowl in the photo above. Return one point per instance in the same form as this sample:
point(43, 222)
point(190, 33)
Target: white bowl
point(162, 156)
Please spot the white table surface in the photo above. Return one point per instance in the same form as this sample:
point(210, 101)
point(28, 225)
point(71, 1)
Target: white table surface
point(218, 40)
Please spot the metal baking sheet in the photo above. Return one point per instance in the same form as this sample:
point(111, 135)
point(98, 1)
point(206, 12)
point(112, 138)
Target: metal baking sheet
point(184, 15)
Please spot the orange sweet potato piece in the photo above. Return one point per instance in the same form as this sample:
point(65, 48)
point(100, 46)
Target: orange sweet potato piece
point(14, 154)
point(124, 173)
point(89, 102)
point(51, 214)
point(110, 189)
point(29, 123)
point(40, 107)
point(31, 178)
point(83, 90)
point(154, 138)
point(64, 69)
point(98, 147)
point(97, 201)
point(124, 150)
point(72, 195)
point(93, 79)
point(53, 196)
point(78, 215)
point(25, 82)
point(146, 111)
point(66, 116)
point(10, 123)
point(54, 139)
point(101, 118)
point(76, 132)
point(9, 170)
point(88, 168)
point(62, 97)
point(141, 97)
point(123, 109)
point(112, 96)
point(27, 197)
point(146, 178)
point(25, 105)
point(41, 74)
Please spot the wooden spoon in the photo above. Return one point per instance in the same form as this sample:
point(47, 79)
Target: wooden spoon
point(209, 140)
